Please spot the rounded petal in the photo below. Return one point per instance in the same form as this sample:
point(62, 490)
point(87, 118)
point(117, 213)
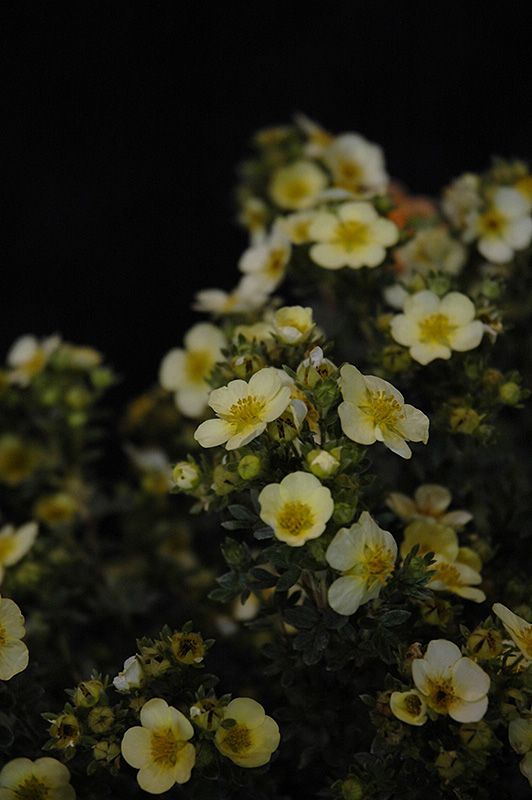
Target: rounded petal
point(357, 426)
point(221, 400)
point(376, 384)
point(346, 595)
point(136, 747)
point(213, 432)
point(469, 593)
point(402, 505)
point(11, 619)
point(352, 384)
point(267, 735)
point(241, 439)
point(441, 655)
point(14, 658)
point(357, 212)
point(156, 779)
point(155, 714)
point(24, 539)
point(425, 353)
point(181, 725)
point(15, 771)
point(415, 426)
point(519, 233)
point(192, 401)
point(458, 308)
point(53, 771)
point(431, 498)
point(421, 304)
point(404, 330)
point(467, 337)
point(172, 369)
point(246, 711)
point(469, 712)
point(277, 404)
point(205, 336)
point(185, 763)
point(470, 682)
point(494, 249)
point(323, 226)
point(456, 519)
point(345, 548)
point(421, 675)
point(299, 485)
point(385, 232)
point(269, 501)
point(328, 256)
point(396, 443)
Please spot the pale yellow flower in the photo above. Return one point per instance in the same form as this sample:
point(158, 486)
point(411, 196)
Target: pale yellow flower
point(430, 503)
point(261, 331)
point(160, 747)
point(432, 327)
point(355, 236)
point(14, 654)
point(356, 165)
point(457, 578)
point(374, 411)
point(293, 324)
point(451, 683)
point(186, 371)
point(519, 629)
point(297, 226)
point(297, 509)
point(267, 261)
point(365, 555)
point(409, 707)
point(431, 249)
point(431, 537)
point(461, 199)
point(43, 779)
point(28, 357)
point(505, 227)
point(15, 543)
point(297, 186)
point(253, 738)
point(244, 410)
point(249, 294)
point(131, 677)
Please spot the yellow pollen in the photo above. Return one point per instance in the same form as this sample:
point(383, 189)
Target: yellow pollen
point(492, 223)
point(377, 563)
point(447, 573)
point(238, 739)
point(275, 263)
point(412, 704)
point(351, 235)
point(436, 329)
point(383, 409)
point(246, 412)
point(441, 695)
point(32, 789)
point(165, 747)
point(295, 517)
point(198, 364)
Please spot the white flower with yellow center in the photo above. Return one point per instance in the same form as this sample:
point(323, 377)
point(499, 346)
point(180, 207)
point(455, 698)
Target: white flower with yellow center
point(457, 568)
point(432, 328)
point(253, 738)
point(15, 543)
point(28, 357)
point(461, 199)
point(432, 249)
point(430, 503)
point(451, 683)
point(356, 165)
point(520, 736)
point(375, 411)
point(244, 410)
point(159, 748)
point(297, 186)
point(355, 236)
point(43, 779)
point(519, 629)
point(293, 324)
point(409, 707)
point(14, 655)
point(185, 371)
point(503, 228)
point(297, 226)
point(365, 555)
point(457, 578)
point(297, 509)
point(249, 294)
point(267, 261)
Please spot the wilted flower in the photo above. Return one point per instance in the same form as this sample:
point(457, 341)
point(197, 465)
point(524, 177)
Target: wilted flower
point(44, 778)
point(15, 543)
point(297, 509)
point(131, 676)
point(253, 738)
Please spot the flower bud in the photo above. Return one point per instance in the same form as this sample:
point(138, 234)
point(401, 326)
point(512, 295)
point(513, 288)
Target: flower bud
point(66, 731)
point(87, 693)
point(344, 512)
point(475, 735)
point(188, 648)
point(485, 643)
point(315, 368)
point(352, 789)
point(396, 358)
point(437, 612)
point(491, 288)
point(207, 714)
point(510, 393)
point(77, 397)
point(449, 765)
point(323, 464)
point(186, 475)
point(223, 480)
point(246, 365)
point(464, 420)
point(249, 467)
point(102, 377)
point(105, 751)
point(439, 284)
point(293, 324)
point(101, 719)
point(492, 377)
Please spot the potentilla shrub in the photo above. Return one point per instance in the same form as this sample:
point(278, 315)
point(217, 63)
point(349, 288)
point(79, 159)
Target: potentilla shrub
point(331, 479)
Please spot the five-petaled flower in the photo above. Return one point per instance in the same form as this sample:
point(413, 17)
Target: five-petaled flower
point(356, 165)
point(297, 509)
point(43, 779)
point(504, 227)
point(253, 738)
point(13, 652)
point(297, 186)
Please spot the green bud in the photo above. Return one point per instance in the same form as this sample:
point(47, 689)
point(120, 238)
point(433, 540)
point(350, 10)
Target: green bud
point(436, 611)
point(249, 467)
point(186, 475)
point(510, 393)
point(491, 288)
point(485, 643)
point(224, 480)
point(322, 463)
point(344, 512)
point(50, 396)
point(106, 751)
point(464, 420)
point(439, 284)
point(475, 735)
point(87, 693)
point(77, 419)
point(101, 719)
point(246, 365)
point(78, 397)
point(396, 358)
point(449, 765)
point(102, 377)
point(326, 393)
point(283, 429)
point(352, 789)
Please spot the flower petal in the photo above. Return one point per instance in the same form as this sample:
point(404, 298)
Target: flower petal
point(346, 595)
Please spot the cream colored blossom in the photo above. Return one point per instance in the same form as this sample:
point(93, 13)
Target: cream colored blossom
point(503, 228)
point(185, 370)
point(297, 186)
point(365, 555)
point(159, 748)
point(14, 655)
point(43, 779)
point(374, 411)
point(457, 578)
point(267, 261)
point(409, 707)
point(261, 331)
point(430, 250)
point(520, 736)
point(253, 217)
point(28, 357)
point(519, 629)
point(131, 676)
point(249, 294)
point(356, 165)
point(244, 410)
point(297, 509)
point(432, 327)
point(461, 199)
point(297, 226)
point(451, 683)
point(253, 738)
point(431, 537)
point(430, 503)
point(354, 236)
point(293, 324)
point(15, 543)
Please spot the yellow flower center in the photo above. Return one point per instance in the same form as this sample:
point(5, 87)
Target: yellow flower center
point(238, 739)
point(300, 231)
point(7, 543)
point(198, 364)
point(383, 409)
point(275, 263)
point(246, 411)
point(32, 789)
point(295, 517)
point(412, 704)
point(165, 747)
point(377, 564)
point(349, 175)
point(525, 641)
point(492, 223)
point(351, 235)
point(436, 329)
point(34, 364)
point(296, 189)
point(441, 695)
point(448, 574)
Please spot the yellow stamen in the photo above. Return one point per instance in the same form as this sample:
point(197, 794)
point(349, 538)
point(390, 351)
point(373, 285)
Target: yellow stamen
point(441, 695)
point(377, 564)
point(165, 747)
point(436, 329)
point(246, 411)
point(198, 364)
point(383, 409)
point(349, 175)
point(448, 574)
point(32, 789)
point(295, 517)
point(492, 223)
point(351, 235)
point(412, 704)
point(238, 739)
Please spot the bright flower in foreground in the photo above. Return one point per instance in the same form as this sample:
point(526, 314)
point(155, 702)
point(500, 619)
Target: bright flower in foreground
point(430, 503)
point(254, 737)
point(451, 683)
point(293, 324)
point(43, 779)
point(297, 185)
point(375, 411)
point(28, 356)
point(409, 707)
point(15, 543)
point(244, 410)
point(520, 736)
point(160, 749)
point(185, 371)
point(432, 328)
point(297, 509)
point(267, 260)
point(519, 629)
point(503, 228)
point(356, 165)
point(14, 655)
point(355, 236)
point(365, 555)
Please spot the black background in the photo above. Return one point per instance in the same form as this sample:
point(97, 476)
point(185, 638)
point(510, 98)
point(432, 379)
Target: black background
point(126, 121)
